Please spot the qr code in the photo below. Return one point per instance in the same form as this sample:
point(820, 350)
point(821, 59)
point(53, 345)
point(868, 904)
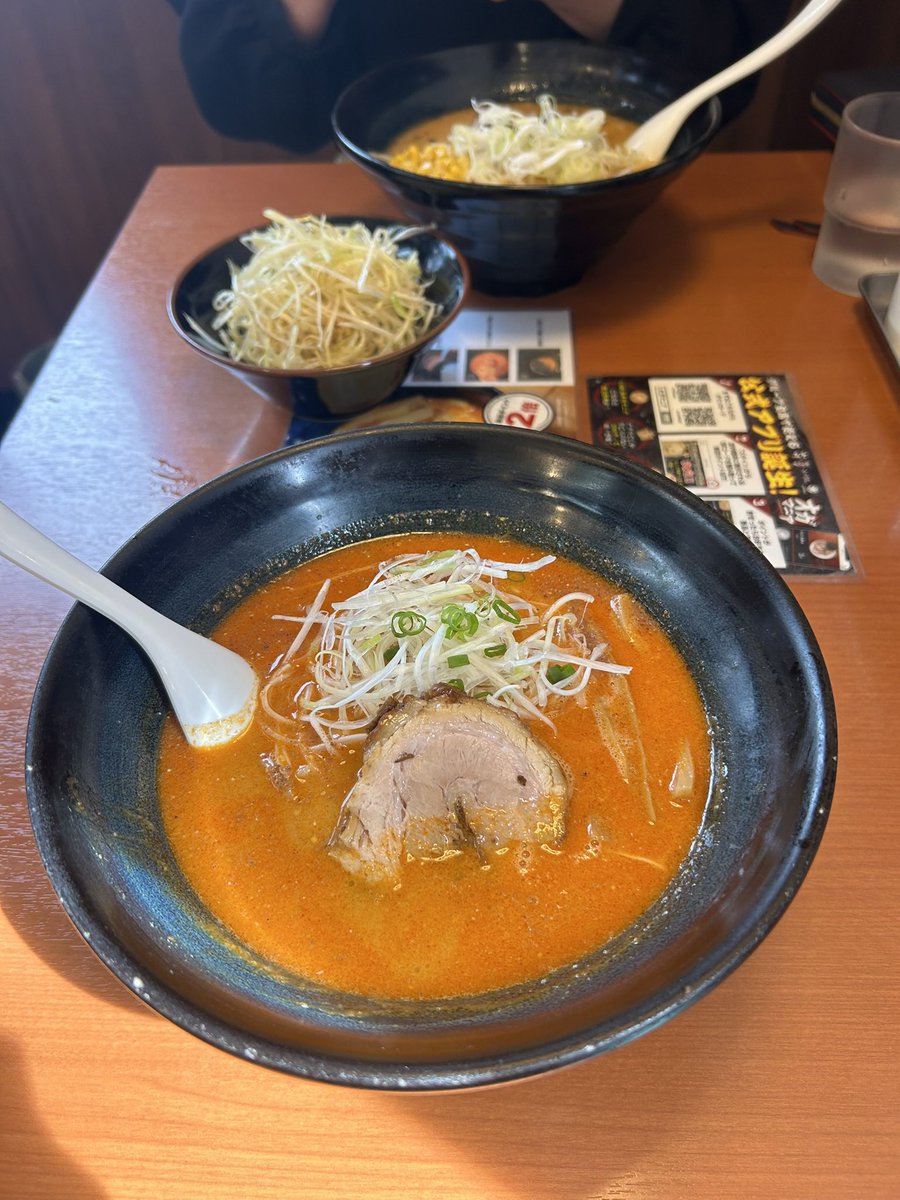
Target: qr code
point(695, 415)
point(693, 393)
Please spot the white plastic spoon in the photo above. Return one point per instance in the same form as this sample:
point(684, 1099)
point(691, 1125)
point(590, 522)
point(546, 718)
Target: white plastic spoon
point(211, 689)
point(653, 139)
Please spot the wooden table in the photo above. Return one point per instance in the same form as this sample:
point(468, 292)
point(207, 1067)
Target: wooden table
point(783, 1083)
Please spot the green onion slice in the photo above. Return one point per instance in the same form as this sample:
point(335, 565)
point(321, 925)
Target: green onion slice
point(458, 684)
point(459, 621)
point(494, 651)
point(505, 612)
point(406, 623)
point(458, 660)
point(559, 671)
point(390, 652)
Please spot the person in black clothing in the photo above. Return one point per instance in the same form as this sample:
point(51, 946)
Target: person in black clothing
point(271, 70)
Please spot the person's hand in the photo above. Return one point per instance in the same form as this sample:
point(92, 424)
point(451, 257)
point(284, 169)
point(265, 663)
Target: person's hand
point(591, 18)
point(308, 17)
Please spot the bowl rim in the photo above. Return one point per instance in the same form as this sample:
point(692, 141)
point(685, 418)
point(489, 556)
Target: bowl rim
point(378, 164)
point(393, 1075)
point(318, 373)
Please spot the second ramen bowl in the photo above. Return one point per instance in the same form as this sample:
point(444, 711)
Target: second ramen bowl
point(91, 766)
point(519, 241)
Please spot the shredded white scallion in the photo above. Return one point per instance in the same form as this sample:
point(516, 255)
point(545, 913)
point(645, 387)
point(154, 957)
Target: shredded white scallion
point(318, 295)
point(506, 145)
point(429, 619)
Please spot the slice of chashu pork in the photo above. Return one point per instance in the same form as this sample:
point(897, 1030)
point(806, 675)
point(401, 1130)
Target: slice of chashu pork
point(445, 772)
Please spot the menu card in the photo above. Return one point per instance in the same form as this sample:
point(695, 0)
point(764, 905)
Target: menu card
point(736, 442)
point(529, 348)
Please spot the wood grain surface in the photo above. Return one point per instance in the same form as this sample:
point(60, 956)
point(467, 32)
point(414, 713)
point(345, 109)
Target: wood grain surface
point(782, 1084)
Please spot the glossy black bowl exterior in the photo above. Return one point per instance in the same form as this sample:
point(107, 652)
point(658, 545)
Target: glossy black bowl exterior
point(342, 390)
point(91, 782)
point(524, 241)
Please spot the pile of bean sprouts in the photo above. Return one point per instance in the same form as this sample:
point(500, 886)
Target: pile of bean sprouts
point(424, 620)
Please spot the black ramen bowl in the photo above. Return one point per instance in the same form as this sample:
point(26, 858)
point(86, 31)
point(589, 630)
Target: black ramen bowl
point(91, 765)
point(340, 389)
point(523, 241)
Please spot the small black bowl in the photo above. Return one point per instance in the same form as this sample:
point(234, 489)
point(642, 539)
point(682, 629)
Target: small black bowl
point(524, 241)
point(341, 389)
point(91, 765)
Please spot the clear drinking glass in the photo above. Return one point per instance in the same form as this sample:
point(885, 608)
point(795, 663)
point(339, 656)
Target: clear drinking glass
point(860, 232)
point(892, 319)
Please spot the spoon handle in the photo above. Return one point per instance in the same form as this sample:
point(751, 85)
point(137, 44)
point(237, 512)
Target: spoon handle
point(211, 689)
point(648, 137)
point(32, 550)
